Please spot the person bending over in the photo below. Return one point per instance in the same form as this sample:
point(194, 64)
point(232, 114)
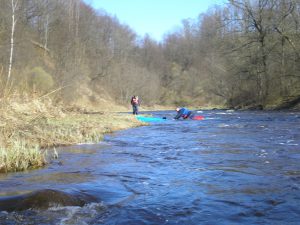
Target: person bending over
point(184, 113)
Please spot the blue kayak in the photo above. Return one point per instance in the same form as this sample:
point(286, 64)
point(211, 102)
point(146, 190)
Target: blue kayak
point(150, 119)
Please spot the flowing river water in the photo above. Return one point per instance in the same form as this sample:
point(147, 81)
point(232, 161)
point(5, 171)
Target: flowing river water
point(230, 168)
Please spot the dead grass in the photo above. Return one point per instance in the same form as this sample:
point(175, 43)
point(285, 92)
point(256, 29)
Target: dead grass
point(20, 157)
point(27, 126)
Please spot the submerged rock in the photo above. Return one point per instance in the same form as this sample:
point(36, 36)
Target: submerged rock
point(44, 199)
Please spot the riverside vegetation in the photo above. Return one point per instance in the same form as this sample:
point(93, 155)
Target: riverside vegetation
point(30, 129)
point(240, 55)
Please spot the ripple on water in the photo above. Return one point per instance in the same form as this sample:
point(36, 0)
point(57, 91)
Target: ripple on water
point(58, 215)
point(62, 178)
point(231, 168)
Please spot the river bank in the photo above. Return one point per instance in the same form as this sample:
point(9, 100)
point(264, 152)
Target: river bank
point(29, 129)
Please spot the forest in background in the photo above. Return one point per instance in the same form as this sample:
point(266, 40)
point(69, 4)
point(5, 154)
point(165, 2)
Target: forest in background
point(244, 54)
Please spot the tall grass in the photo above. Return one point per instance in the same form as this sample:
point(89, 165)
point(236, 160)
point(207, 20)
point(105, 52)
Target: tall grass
point(30, 125)
point(18, 157)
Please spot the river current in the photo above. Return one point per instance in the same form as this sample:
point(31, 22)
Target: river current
point(230, 168)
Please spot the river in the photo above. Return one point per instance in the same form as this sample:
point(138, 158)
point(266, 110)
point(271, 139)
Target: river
point(230, 168)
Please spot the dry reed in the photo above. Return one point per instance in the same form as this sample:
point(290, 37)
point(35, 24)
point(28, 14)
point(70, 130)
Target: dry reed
point(28, 126)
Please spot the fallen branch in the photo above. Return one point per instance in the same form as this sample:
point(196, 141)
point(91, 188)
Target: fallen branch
point(40, 46)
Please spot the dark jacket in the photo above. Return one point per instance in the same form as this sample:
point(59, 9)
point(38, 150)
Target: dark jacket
point(134, 101)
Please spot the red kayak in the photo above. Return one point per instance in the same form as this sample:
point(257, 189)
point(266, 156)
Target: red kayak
point(198, 117)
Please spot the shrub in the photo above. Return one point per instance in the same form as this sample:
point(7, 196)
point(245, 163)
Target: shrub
point(40, 80)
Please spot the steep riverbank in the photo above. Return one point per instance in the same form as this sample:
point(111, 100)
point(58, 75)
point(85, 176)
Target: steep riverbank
point(29, 127)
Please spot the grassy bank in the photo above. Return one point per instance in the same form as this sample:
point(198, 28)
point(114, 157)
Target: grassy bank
point(29, 127)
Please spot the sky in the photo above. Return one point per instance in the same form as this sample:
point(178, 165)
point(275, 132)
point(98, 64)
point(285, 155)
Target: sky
point(153, 17)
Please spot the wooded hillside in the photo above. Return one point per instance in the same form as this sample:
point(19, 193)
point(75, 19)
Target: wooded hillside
point(245, 54)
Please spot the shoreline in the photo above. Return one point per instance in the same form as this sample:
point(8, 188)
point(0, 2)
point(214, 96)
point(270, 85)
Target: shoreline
point(31, 130)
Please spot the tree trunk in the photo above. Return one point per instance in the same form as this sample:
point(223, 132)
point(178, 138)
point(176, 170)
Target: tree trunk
point(13, 6)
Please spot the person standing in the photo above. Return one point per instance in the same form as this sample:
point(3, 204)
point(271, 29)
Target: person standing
point(135, 104)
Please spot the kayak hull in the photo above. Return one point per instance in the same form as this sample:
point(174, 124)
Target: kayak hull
point(157, 119)
point(198, 117)
point(150, 119)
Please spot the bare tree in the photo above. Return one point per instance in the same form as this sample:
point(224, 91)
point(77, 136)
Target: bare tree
point(14, 5)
